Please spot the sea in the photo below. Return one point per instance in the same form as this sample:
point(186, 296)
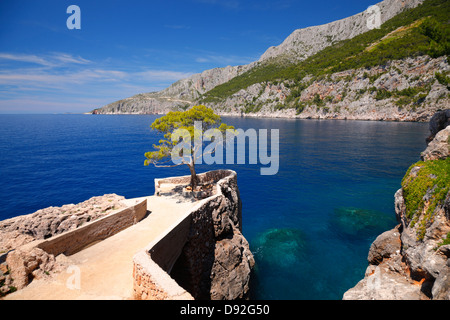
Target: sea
point(309, 226)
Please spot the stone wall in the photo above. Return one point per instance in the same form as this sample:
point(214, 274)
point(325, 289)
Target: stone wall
point(39, 256)
point(73, 241)
point(205, 252)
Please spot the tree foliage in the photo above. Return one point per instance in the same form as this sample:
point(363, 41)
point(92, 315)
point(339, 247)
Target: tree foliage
point(181, 126)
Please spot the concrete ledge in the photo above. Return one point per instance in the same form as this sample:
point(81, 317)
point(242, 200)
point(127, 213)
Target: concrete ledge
point(75, 240)
point(152, 265)
point(204, 178)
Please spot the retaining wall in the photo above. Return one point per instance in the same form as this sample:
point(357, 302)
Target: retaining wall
point(192, 239)
point(72, 241)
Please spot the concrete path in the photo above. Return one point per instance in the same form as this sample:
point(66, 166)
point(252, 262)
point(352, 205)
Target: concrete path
point(105, 268)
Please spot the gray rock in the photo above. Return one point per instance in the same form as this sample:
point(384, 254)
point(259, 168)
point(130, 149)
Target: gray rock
point(382, 283)
point(305, 42)
point(439, 121)
point(384, 246)
point(438, 148)
point(441, 287)
point(51, 221)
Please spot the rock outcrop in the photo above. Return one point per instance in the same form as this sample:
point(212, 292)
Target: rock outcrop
point(412, 261)
point(216, 261)
point(24, 265)
point(18, 264)
point(440, 120)
point(439, 147)
point(51, 221)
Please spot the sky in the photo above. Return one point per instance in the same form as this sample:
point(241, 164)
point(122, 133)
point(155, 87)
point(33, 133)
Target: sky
point(123, 48)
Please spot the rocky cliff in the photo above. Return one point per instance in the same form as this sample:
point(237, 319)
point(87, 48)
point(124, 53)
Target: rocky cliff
point(401, 90)
point(301, 44)
point(412, 261)
point(179, 95)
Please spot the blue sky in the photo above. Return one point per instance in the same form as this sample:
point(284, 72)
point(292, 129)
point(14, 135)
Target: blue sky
point(129, 47)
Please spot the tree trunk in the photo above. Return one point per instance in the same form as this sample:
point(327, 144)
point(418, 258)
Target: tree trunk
point(194, 178)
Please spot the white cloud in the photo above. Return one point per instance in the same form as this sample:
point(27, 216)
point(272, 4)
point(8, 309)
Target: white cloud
point(67, 58)
point(63, 77)
point(40, 78)
point(53, 60)
point(24, 58)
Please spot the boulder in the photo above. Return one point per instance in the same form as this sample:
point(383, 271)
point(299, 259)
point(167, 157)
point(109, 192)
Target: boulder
point(439, 147)
point(26, 265)
point(439, 121)
point(385, 245)
point(231, 270)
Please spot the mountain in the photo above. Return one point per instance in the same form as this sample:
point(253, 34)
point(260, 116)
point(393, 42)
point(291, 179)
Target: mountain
point(338, 58)
point(303, 43)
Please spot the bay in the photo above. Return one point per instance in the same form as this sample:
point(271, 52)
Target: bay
point(310, 226)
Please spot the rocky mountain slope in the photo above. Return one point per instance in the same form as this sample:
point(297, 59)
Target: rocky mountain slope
point(301, 44)
point(179, 95)
point(401, 90)
point(412, 261)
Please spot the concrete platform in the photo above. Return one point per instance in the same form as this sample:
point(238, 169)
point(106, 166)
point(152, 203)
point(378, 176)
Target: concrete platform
point(105, 268)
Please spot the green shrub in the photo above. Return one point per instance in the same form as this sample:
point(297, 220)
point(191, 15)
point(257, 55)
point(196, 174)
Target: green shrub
point(432, 181)
point(445, 241)
point(442, 78)
point(383, 94)
point(318, 101)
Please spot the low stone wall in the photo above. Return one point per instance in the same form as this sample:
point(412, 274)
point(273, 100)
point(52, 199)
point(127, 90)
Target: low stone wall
point(71, 242)
point(197, 249)
point(204, 178)
point(27, 259)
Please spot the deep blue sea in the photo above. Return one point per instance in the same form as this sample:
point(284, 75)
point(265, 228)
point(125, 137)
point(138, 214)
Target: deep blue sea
point(309, 227)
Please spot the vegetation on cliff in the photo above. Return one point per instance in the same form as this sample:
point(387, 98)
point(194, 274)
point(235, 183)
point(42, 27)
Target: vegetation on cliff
point(424, 30)
point(181, 136)
point(425, 187)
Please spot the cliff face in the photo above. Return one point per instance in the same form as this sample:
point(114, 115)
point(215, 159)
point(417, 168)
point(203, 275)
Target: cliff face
point(218, 258)
point(214, 261)
point(412, 261)
point(301, 44)
point(179, 95)
point(402, 90)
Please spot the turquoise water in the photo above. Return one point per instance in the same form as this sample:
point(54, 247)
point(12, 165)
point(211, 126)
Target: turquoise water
point(310, 226)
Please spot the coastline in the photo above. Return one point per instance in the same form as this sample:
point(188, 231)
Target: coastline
point(283, 116)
